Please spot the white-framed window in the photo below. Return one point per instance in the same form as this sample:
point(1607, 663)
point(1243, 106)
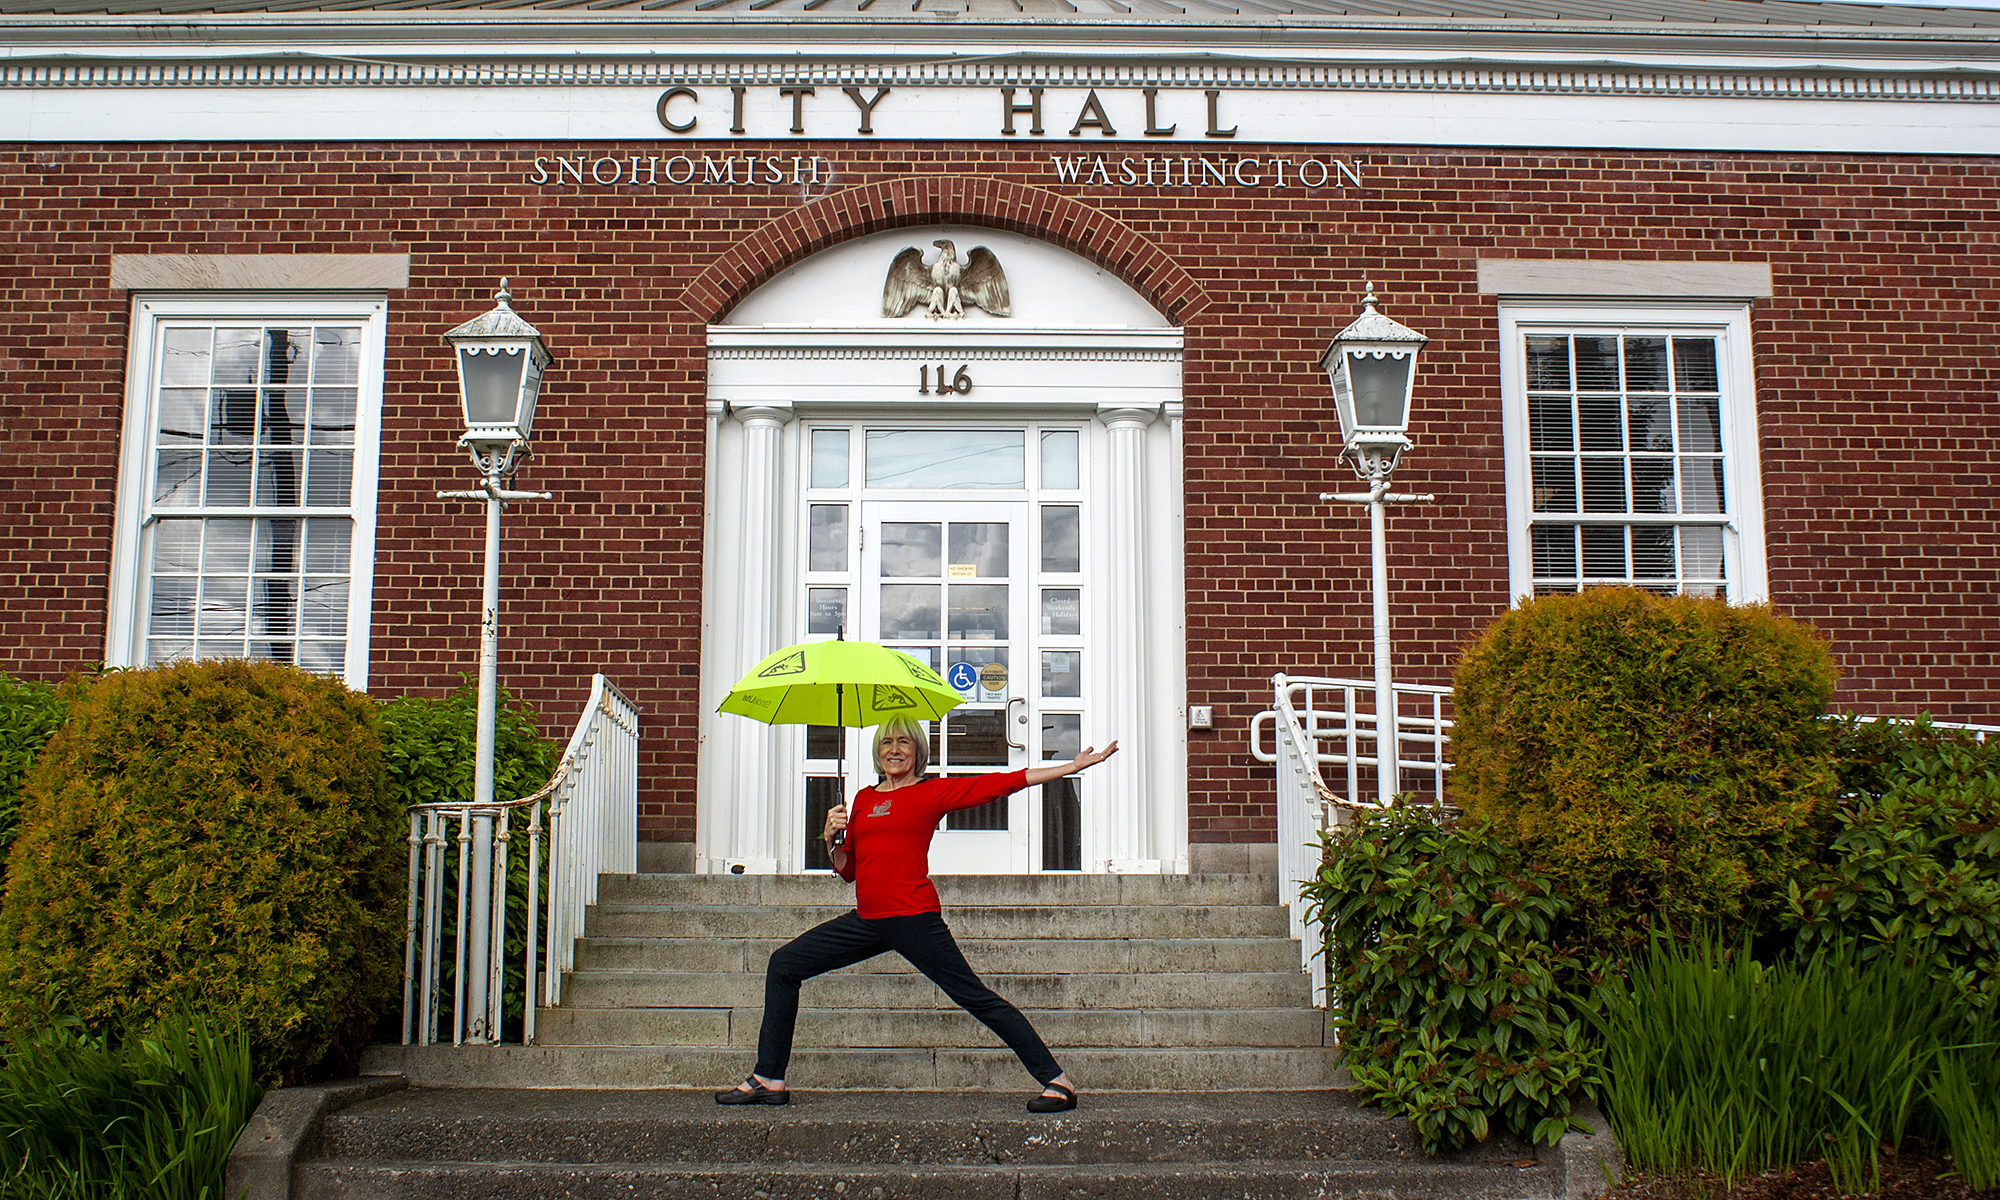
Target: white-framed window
point(246, 490)
point(1631, 443)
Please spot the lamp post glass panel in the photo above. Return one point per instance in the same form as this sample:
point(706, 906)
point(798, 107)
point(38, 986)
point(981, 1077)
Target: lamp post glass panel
point(500, 363)
point(1373, 367)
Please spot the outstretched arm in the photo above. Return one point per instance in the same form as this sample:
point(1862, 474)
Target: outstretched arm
point(1089, 758)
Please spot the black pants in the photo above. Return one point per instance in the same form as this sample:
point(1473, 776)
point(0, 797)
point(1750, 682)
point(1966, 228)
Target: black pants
point(926, 942)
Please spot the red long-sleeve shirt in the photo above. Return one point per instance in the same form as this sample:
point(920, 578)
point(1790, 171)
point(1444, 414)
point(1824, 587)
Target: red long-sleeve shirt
point(889, 838)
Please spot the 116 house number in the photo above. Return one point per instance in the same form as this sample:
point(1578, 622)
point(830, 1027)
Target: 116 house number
point(960, 383)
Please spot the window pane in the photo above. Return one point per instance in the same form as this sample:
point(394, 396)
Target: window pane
point(825, 741)
point(1548, 363)
point(829, 458)
point(182, 416)
point(185, 357)
point(1701, 553)
point(1597, 364)
point(980, 547)
point(1645, 364)
point(330, 478)
point(1701, 421)
point(912, 550)
point(226, 546)
point(1061, 546)
point(979, 612)
point(337, 354)
point(232, 416)
point(177, 479)
point(1604, 551)
point(275, 547)
point(222, 605)
point(287, 355)
point(1555, 484)
point(323, 608)
point(1062, 825)
point(284, 421)
point(1555, 551)
point(1059, 459)
point(909, 611)
point(827, 537)
point(333, 416)
point(228, 479)
point(1650, 421)
point(947, 458)
point(177, 546)
point(1550, 425)
point(1062, 611)
point(1653, 485)
point(173, 608)
point(826, 610)
point(1600, 427)
point(278, 474)
point(274, 608)
point(1694, 364)
point(1652, 552)
point(1062, 673)
point(237, 355)
point(1701, 485)
point(822, 793)
point(326, 545)
point(1604, 485)
point(327, 658)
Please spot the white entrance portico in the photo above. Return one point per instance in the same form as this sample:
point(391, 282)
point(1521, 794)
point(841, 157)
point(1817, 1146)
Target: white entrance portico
point(997, 495)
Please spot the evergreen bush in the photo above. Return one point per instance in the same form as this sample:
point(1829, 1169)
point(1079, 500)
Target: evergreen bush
point(430, 747)
point(1662, 759)
point(214, 836)
point(1913, 869)
point(30, 712)
point(1456, 1007)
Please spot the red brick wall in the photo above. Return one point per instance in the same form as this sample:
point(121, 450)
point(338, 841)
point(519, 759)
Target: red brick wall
point(1876, 394)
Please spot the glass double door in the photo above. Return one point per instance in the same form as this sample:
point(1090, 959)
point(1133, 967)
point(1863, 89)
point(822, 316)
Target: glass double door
point(955, 584)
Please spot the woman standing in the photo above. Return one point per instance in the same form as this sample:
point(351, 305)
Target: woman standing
point(886, 855)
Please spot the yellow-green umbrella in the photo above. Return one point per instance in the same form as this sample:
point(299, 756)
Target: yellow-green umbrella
point(839, 683)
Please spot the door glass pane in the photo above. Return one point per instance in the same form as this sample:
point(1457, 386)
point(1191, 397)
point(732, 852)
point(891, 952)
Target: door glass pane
point(978, 550)
point(822, 793)
point(1059, 460)
point(979, 612)
point(947, 458)
point(1062, 673)
point(824, 741)
point(829, 458)
point(909, 611)
point(826, 610)
point(976, 738)
point(1062, 611)
point(912, 551)
point(983, 672)
point(1062, 736)
point(1061, 549)
point(828, 546)
point(1062, 826)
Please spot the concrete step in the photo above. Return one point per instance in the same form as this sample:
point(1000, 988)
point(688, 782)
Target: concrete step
point(930, 1027)
point(957, 891)
point(997, 955)
point(495, 1145)
point(1019, 921)
point(945, 1068)
point(849, 989)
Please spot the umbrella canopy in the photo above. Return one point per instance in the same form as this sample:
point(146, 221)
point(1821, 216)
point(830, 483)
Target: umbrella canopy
point(839, 683)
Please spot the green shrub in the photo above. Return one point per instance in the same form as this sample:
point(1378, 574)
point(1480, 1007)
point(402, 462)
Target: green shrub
point(1662, 759)
point(154, 1116)
point(29, 713)
point(1723, 1063)
point(1913, 869)
point(1454, 1006)
point(212, 835)
point(430, 746)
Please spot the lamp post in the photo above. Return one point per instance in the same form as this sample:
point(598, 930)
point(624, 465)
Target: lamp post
point(1373, 367)
point(500, 363)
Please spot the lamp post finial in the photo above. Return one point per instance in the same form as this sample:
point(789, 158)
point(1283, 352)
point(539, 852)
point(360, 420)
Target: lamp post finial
point(503, 296)
point(1368, 300)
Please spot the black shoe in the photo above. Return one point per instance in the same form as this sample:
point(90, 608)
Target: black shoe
point(759, 1094)
point(1054, 1104)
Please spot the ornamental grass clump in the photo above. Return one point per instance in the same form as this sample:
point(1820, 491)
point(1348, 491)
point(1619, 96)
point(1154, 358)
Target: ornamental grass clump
point(213, 836)
point(1456, 1006)
point(1662, 760)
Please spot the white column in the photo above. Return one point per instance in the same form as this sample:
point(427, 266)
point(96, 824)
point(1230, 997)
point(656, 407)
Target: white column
point(1116, 799)
point(756, 789)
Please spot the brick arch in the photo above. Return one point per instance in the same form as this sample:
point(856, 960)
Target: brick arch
point(842, 216)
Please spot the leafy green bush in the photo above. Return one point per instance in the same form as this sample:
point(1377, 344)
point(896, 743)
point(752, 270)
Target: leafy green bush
point(213, 836)
point(1716, 1061)
point(1455, 1007)
point(1913, 868)
point(29, 713)
point(430, 746)
point(1662, 759)
point(85, 1119)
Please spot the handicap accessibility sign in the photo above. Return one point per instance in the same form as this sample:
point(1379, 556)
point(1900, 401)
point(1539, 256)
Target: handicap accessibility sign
point(962, 676)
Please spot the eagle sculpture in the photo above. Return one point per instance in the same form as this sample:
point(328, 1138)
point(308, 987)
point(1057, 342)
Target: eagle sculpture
point(947, 285)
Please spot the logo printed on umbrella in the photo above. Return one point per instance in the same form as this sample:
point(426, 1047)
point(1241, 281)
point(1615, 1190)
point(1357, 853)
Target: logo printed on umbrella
point(791, 664)
point(922, 673)
point(889, 698)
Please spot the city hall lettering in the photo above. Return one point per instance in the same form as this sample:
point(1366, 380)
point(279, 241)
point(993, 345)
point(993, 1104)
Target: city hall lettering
point(1082, 170)
point(1016, 111)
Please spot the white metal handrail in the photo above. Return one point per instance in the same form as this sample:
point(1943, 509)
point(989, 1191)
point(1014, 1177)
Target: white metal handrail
point(591, 806)
point(1300, 721)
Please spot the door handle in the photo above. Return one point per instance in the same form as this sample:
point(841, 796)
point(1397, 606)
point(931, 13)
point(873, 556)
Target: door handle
point(1013, 720)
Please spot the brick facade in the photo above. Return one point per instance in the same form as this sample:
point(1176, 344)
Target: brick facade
point(1876, 390)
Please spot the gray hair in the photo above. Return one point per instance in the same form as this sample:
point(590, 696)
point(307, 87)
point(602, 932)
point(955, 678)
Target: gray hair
point(910, 727)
